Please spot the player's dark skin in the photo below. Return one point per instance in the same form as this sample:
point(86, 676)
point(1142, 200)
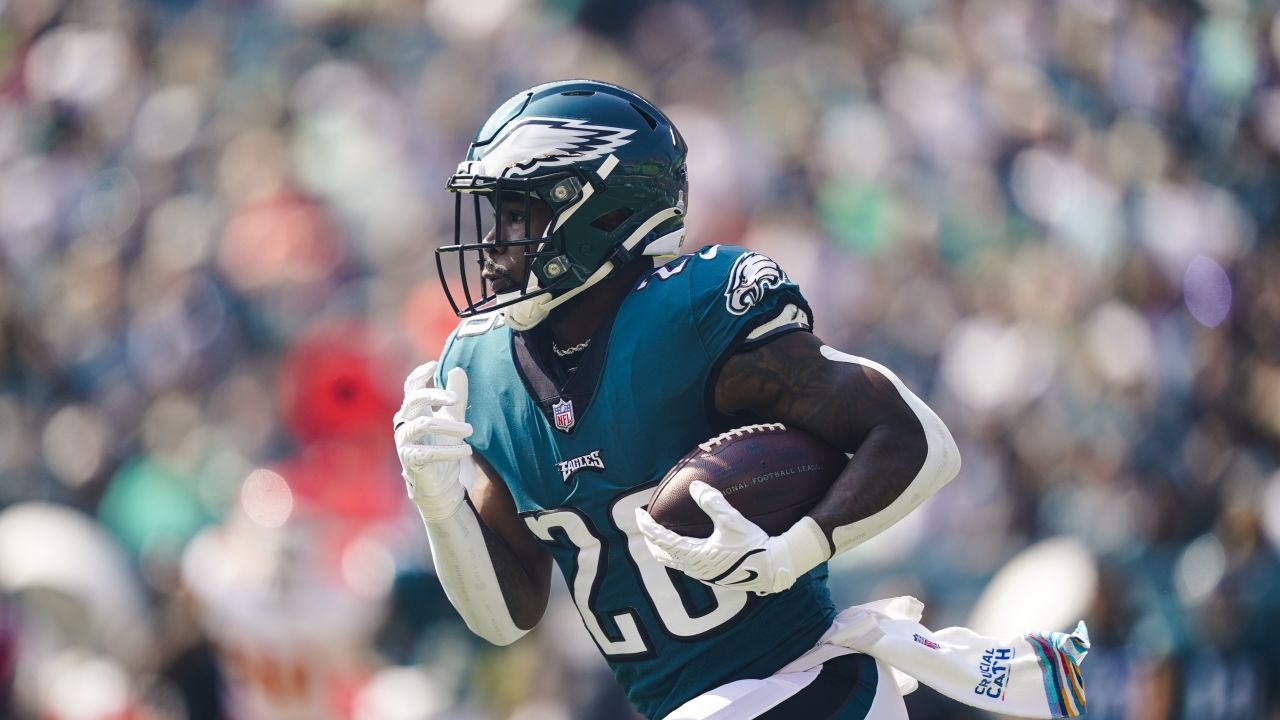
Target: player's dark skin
point(786, 380)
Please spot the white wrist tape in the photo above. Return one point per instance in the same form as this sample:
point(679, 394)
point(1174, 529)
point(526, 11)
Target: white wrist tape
point(941, 463)
point(468, 577)
point(805, 545)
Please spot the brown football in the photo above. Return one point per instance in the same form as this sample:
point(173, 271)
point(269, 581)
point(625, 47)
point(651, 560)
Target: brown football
point(770, 473)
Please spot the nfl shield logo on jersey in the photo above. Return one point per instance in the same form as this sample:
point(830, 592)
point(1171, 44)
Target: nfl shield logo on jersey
point(563, 412)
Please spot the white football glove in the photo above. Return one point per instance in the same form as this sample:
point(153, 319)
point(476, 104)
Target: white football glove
point(738, 554)
point(430, 433)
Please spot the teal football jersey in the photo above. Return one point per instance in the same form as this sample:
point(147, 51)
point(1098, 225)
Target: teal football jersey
point(580, 456)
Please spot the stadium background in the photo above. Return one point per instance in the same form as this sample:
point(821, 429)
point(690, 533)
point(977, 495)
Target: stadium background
point(1058, 222)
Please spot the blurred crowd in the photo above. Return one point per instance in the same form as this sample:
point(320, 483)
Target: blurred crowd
point(1059, 222)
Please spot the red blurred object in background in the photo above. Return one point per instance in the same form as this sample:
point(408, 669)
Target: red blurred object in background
point(339, 387)
point(344, 479)
point(340, 381)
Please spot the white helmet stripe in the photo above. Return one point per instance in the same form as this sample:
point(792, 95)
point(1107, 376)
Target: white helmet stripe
point(630, 243)
point(528, 313)
point(606, 167)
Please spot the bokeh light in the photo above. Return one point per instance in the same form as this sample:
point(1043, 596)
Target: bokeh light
point(167, 123)
point(1200, 568)
point(266, 498)
point(368, 567)
point(1120, 345)
point(1207, 291)
point(77, 64)
point(74, 443)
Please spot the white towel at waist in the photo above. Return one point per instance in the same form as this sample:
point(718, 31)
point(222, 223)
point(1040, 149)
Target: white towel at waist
point(1030, 675)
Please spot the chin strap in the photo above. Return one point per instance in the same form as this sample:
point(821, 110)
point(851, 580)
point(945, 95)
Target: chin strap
point(528, 313)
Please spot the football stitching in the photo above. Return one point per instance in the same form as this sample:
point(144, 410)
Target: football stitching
point(724, 437)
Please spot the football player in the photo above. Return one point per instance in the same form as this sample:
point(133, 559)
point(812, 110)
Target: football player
point(580, 373)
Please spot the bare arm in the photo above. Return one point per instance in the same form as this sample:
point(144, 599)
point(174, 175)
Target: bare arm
point(902, 452)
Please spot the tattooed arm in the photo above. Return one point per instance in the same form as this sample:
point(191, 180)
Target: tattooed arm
point(902, 452)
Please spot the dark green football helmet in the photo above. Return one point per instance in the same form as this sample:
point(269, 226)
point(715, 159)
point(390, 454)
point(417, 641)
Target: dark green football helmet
point(608, 164)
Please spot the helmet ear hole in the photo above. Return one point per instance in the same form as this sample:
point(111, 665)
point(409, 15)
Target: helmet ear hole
point(610, 221)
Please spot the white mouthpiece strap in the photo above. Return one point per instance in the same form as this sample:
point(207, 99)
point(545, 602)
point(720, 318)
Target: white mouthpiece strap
point(667, 245)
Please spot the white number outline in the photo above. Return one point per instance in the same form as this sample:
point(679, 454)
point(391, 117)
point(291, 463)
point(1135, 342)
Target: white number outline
point(585, 584)
point(480, 324)
point(669, 604)
point(677, 266)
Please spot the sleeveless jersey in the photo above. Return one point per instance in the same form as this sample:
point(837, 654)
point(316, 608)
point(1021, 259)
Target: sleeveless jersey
point(581, 456)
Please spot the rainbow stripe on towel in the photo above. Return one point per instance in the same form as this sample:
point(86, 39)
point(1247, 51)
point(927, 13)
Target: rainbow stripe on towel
point(1060, 655)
